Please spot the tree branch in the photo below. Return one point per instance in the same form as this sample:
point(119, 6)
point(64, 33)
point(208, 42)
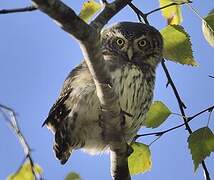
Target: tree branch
point(160, 133)
point(168, 5)
point(17, 10)
point(108, 12)
point(181, 107)
point(13, 123)
point(209, 109)
point(139, 13)
point(89, 39)
point(180, 102)
point(145, 15)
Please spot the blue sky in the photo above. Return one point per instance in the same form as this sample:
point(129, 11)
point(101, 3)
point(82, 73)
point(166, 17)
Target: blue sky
point(36, 56)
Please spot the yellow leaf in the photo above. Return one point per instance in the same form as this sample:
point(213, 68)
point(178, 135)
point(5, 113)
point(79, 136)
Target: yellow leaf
point(25, 173)
point(73, 176)
point(89, 8)
point(173, 13)
point(140, 160)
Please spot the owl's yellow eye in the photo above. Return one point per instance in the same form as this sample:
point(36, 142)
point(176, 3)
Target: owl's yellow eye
point(120, 42)
point(142, 43)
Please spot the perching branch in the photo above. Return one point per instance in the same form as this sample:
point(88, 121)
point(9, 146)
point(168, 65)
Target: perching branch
point(13, 123)
point(89, 39)
point(17, 10)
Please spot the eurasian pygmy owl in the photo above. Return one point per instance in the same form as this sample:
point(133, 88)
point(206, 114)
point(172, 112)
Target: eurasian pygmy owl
point(132, 52)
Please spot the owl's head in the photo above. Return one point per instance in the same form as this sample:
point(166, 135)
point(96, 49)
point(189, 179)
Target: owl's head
point(134, 42)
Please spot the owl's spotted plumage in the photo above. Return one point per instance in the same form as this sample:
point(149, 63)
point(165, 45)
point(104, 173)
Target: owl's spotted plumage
point(131, 51)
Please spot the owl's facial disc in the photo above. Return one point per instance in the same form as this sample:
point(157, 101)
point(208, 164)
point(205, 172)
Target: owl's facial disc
point(134, 42)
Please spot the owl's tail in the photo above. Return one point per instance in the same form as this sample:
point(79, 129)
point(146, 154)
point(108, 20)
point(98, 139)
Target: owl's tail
point(62, 152)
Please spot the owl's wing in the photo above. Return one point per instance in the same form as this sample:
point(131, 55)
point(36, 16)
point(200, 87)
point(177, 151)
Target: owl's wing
point(58, 111)
point(59, 120)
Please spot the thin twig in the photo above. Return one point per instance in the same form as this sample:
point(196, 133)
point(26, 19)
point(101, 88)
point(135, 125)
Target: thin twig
point(180, 102)
point(209, 109)
point(209, 117)
point(195, 11)
point(13, 123)
point(139, 13)
point(154, 140)
point(211, 76)
point(160, 133)
point(166, 6)
point(145, 15)
point(206, 172)
point(17, 10)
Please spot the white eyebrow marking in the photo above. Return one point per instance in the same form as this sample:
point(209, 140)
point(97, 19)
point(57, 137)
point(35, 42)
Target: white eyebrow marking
point(118, 34)
point(141, 37)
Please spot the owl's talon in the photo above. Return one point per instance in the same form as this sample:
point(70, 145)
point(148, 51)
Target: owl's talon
point(126, 113)
point(130, 150)
point(123, 118)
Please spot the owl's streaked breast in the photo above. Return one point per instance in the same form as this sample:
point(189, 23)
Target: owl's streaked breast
point(135, 90)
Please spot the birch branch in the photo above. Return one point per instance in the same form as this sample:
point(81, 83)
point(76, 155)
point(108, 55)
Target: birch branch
point(18, 10)
point(13, 123)
point(89, 39)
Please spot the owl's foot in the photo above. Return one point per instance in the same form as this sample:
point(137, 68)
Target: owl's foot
point(123, 116)
point(130, 150)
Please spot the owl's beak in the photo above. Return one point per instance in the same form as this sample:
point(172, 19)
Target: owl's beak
point(130, 53)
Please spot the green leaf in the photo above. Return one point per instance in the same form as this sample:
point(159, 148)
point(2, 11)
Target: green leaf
point(140, 160)
point(201, 144)
point(73, 176)
point(89, 8)
point(25, 173)
point(177, 45)
point(157, 114)
point(208, 28)
point(172, 13)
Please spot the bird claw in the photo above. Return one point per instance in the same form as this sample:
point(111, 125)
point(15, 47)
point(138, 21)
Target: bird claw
point(130, 150)
point(123, 118)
